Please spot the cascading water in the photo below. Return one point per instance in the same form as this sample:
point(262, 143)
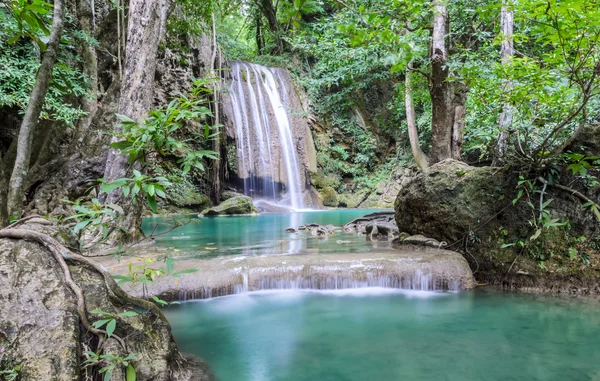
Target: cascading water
point(266, 152)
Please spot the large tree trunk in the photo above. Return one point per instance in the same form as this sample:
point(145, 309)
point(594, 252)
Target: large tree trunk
point(413, 134)
point(447, 98)
point(18, 179)
point(146, 26)
point(506, 52)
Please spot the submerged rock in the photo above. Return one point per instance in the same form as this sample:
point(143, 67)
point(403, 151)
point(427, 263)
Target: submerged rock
point(376, 226)
point(40, 329)
point(317, 230)
point(235, 205)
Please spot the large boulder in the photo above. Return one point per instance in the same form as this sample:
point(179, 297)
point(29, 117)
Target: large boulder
point(471, 209)
point(232, 206)
point(41, 333)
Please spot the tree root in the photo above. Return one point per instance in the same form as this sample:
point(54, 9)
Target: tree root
point(61, 254)
point(573, 192)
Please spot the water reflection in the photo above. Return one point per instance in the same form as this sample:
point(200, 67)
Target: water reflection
point(262, 234)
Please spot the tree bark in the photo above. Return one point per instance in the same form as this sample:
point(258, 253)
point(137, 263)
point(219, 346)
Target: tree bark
point(441, 123)
point(447, 97)
point(457, 131)
point(413, 134)
point(145, 29)
point(18, 179)
point(89, 102)
point(216, 144)
point(3, 196)
point(506, 52)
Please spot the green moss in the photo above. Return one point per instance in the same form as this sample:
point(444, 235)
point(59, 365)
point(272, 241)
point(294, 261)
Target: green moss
point(329, 196)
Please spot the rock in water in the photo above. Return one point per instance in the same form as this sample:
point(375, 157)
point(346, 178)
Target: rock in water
point(235, 205)
point(421, 240)
point(40, 329)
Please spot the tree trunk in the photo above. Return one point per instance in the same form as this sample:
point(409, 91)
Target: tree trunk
point(447, 97)
point(216, 144)
point(413, 134)
point(457, 131)
point(18, 179)
point(3, 195)
point(270, 13)
point(506, 52)
point(441, 123)
point(146, 26)
point(89, 102)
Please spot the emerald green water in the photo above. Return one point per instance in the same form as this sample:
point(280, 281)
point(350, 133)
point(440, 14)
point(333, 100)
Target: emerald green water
point(261, 234)
point(378, 334)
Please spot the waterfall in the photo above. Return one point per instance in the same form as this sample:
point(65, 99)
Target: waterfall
point(266, 153)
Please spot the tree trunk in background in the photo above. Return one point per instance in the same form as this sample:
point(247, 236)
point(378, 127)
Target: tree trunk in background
point(447, 97)
point(3, 196)
point(89, 102)
point(216, 144)
point(18, 179)
point(145, 29)
point(506, 52)
point(457, 131)
point(413, 134)
point(441, 123)
point(270, 13)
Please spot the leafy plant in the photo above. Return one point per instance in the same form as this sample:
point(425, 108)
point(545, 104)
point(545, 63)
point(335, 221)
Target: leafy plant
point(158, 133)
point(110, 320)
point(111, 362)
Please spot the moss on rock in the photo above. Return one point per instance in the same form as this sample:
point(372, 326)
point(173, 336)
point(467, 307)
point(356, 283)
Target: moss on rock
point(329, 196)
point(235, 205)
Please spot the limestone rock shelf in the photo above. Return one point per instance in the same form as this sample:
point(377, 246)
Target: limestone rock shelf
point(413, 267)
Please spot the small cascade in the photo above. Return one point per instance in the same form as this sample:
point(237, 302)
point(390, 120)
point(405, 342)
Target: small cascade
point(267, 156)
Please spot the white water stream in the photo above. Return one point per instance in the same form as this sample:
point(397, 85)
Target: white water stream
point(264, 134)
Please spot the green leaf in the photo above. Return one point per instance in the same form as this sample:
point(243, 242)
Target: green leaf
point(110, 327)
point(100, 323)
point(130, 374)
point(122, 145)
point(125, 118)
point(152, 203)
point(108, 375)
point(170, 262)
point(81, 225)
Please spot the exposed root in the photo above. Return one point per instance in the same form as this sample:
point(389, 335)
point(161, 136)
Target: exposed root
point(61, 254)
point(573, 192)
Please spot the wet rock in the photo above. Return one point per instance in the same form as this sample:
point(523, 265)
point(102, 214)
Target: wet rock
point(359, 225)
point(290, 230)
point(235, 205)
point(381, 230)
point(226, 195)
point(409, 267)
point(264, 206)
point(421, 240)
point(317, 230)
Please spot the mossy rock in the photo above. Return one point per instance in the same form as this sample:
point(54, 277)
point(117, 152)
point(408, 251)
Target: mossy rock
point(351, 200)
point(329, 196)
point(235, 205)
point(226, 195)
